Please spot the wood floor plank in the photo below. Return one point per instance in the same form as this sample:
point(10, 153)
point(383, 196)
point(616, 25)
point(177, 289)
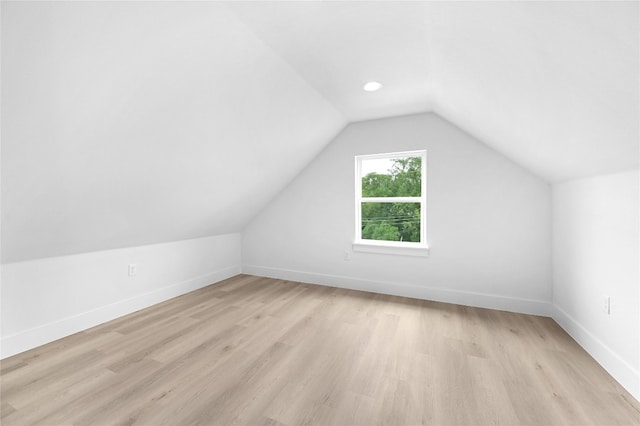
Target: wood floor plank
point(253, 351)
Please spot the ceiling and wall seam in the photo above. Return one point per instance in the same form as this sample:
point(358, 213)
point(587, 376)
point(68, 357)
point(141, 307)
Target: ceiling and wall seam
point(429, 16)
point(288, 64)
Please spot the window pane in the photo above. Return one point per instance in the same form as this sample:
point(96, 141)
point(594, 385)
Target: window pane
point(391, 221)
point(386, 177)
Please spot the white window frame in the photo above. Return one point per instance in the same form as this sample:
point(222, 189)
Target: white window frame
point(391, 247)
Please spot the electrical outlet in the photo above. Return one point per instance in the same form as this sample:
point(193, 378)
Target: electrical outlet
point(346, 255)
point(133, 269)
point(606, 305)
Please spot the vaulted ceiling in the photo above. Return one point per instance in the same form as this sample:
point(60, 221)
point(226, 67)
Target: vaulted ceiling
point(552, 85)
point(129, 123)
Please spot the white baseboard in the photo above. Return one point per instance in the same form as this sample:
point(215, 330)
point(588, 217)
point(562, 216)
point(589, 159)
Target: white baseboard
point(626, 374)
point(34, 337)
point(480, 300)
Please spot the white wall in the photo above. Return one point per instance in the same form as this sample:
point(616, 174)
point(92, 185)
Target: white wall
point(46, 299)
point(488, 222)
point(596, 254)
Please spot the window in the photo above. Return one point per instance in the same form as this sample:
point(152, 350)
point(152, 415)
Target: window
point(391, 203)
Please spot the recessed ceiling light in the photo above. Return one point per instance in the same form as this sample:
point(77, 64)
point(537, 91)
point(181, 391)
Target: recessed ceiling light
point(372, 86)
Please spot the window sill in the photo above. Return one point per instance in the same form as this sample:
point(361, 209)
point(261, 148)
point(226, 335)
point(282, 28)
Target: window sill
point(390, 248)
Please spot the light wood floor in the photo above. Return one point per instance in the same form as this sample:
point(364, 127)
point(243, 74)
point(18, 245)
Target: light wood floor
point(254, 350)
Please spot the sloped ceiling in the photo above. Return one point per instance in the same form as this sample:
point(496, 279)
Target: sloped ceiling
point(552, 85)
point(129, 123)
point(339, 46)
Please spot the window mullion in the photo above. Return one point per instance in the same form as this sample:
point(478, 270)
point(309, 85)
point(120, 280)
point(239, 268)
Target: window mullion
point(391, 199)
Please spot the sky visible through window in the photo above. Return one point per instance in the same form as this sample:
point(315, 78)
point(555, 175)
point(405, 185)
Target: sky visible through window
point(378, 165)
